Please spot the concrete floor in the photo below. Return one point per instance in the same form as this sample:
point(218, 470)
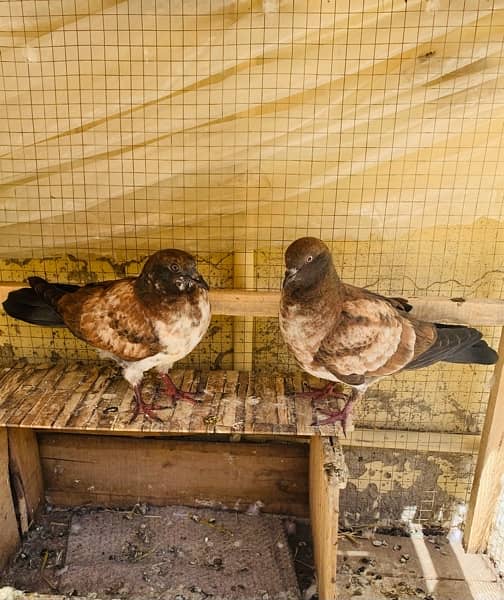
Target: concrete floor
point(418, 567)
point(178, 553)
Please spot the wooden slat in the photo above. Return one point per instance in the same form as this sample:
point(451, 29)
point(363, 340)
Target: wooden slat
point(416, 441)
point(471, 311)
point(490, 466)
point(26, 474)
point(237, 302)
point(265, 413)
point(20, 393)
point(82, 397)
point(327, 476)
point(119, 471)
point(9, 537)
point(226, 415)
point(93, 376)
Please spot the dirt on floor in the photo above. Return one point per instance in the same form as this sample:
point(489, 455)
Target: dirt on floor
point(181, 553)
point(172, 553)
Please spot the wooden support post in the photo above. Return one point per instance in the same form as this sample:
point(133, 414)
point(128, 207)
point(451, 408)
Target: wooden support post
point(26, 474)
point(9, 536)
point(328, 475)
point(490, 466)
point(243, 326)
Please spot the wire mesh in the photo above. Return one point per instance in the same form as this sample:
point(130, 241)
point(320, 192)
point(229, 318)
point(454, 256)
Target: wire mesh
point(231, 128)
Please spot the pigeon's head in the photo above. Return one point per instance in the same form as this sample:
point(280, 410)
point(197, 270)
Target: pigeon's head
point(172, 271)
point(307, 262)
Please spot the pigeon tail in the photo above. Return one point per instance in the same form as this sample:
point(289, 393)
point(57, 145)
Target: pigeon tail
point(456, 344)
point(35, 305)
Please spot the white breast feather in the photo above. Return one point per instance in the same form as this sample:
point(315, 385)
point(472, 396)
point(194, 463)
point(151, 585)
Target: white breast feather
point(178, 339)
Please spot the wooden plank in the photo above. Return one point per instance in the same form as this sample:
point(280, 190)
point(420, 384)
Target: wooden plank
point(118, 471)
point(22, 394)
point(57, 396)
point(93, 375)
point(472, 311)
point(327, 476)
point(9, 538)
point(226, 416)
point(243, 325)
point(304, 410)
point(84, 410)
point(490, 466)
point(252, 303)
point(45, 392)
point(26, 474)
point(265, 414)
point(418, 441)
point(84, 397)
point(11, 382)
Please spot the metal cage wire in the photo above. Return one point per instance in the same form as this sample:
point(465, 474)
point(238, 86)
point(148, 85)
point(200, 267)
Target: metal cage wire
point(231, 128)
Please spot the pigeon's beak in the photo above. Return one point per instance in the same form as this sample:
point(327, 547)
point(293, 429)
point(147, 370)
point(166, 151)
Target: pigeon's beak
point(289, 275)
point(198, 280)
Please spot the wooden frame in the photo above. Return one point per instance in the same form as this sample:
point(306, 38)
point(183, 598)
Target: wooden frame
point(490, 466)
point(478, 312)
point(9, 540)
point(328, 475)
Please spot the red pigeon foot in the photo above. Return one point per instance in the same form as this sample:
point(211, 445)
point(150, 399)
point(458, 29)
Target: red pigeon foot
point(142, 408)
point(176, 394)
point(334, 416)
point(325, 393)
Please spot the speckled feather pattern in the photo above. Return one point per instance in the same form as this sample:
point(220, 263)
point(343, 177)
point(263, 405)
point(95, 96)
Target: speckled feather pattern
point(343, 333)
point(144, 322)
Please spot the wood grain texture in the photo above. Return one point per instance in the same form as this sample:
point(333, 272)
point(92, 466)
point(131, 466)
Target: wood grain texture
point(327, 476)
point(9, 538)
point(26, 474)
point(250, 303)
point(95, 398)
point(83, 469)
point(490, 466)
point(80, 397)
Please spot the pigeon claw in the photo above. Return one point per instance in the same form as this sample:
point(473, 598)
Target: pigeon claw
point(340, 416)
point(143, 408)
point(175, 394)
point(147, 410)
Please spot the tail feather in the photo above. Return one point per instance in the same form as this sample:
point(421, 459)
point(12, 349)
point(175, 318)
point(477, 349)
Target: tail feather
point(479, 353)
point(37, 304)
point(456, 344)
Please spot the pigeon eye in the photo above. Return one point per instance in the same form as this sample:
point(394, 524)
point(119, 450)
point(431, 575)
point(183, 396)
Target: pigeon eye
point(309, 258)
point(175, 268)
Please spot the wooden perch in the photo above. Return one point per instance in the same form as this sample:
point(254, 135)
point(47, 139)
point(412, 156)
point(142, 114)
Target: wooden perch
point(236, 302)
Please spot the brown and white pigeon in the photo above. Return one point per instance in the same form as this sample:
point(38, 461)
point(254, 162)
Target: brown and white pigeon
point(350, 335)
point(144, 322)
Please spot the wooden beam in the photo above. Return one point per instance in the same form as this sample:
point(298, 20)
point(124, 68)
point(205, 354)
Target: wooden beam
point(243, 326)
point(118, 471)
point(417, 441)
point(26, 474)
point(9, 536)
point(238, 302)
point(327, 476)
point(490, 466)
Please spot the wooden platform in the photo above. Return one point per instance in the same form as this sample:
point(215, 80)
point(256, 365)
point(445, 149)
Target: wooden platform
point(89, 397)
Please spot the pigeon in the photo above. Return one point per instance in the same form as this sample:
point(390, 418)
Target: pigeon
point(144, 322)
point(350, 335)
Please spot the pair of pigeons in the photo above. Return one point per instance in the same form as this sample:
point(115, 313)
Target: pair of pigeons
point(338, 332)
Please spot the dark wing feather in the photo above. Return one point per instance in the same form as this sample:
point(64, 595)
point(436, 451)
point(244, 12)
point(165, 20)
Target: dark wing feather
point(456, 344)
point(29, 306)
